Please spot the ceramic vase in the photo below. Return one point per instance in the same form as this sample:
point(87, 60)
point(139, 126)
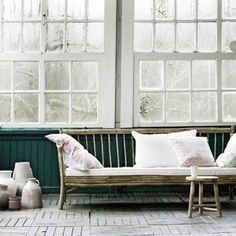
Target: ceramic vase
point(21, 172)
point(31, 194)
point(5, 179)
point(4, 195)
point(14, 203)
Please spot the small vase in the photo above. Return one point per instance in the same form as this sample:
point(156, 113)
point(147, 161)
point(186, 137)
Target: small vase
point(31, 194)
point(5, 179)
point(4, 195)
point(14, 203)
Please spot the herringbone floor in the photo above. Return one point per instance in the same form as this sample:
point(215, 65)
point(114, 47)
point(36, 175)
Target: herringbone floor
point(126, 214)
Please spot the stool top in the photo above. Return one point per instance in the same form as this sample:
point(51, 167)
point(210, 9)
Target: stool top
point(202, 178)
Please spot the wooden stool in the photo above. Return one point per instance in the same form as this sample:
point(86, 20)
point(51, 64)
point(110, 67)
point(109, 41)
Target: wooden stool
point(201, 180)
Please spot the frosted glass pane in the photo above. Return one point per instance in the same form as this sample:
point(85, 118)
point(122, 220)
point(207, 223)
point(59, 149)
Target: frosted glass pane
point(26, 75)
point(204, 107)
point(228, 34)
point(32, 9)
point(151, 107)
point(26, 108)
point(143, 11)
point(77, 12)
point(75, 37)
point(56, 9)
point(31, 37)
point(165, 37)
point(229, 74)
point(84, 108)
point(95, 39)
point(57, 75)
point(57, 108)
point(204, 75)
point(185, 9)
point(151, 74)
point(143, 36)
point(5, 76)
point(11, 9)
point(177, 74)
point(207, 9)
point(54, 33)
point(178, 107)
point(229, 106)
point(229, 9)
point(186, 37)
point(164, 9)
point(207, 37)
point(96, 9)
point(84, 75)
point(5, 102)
point(11, 36)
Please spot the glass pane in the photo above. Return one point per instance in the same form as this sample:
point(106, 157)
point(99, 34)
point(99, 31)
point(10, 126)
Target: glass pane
point(143, 37)
point(57, 75)
point(228, 34)
point(143, 11)
point(84, 75)
point(75, 12)
point(164, 9)
point(229, 74)
point(95, 39)
point(26, 75)
point(207, 37)
point(207, 9)
point(229, 9)
point(151, 74)
point(32, 9)
point(178, 107)
point(11, 9)
point(31, 37)
point(75, 37)
point(54, 34)
point(165, 38)
point(177, 74)
point(26, 108)
point(5, 76)
point(56, 9)
point(186, 37)
point(229, 106)
point(96, 9)
point(84, 108)
point(204, 75)
point(185, 9)
point(204, 107)
point(5, 101)
point(11, 36)
point(151, 107)
point(57, 108)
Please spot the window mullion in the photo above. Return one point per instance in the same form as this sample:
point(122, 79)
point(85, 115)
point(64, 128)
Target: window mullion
point(12, 93)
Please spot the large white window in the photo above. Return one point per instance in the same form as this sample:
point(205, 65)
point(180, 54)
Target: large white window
point(57, 62)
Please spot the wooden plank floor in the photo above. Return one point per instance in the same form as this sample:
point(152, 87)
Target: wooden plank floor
point(114, 214)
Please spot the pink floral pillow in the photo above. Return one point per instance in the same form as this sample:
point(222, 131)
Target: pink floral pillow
point(75, 155)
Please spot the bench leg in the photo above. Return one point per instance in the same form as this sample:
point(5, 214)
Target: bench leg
point(62, 197)
point(200, 197)
point(217, 199)
point(191, 198)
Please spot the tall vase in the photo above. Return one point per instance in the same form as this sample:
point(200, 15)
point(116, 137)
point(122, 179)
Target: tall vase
point(5, 179)
point(21, 172)
point(4, 195)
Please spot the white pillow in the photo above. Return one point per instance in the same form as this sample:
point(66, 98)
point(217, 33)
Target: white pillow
point(228, 158)
point(192, 132)
point(193, 151)
point(153, 150)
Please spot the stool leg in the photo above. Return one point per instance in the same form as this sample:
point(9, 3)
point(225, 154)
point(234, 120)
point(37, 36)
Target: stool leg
point(217, 199)
point(200, 198)
point(191, 198)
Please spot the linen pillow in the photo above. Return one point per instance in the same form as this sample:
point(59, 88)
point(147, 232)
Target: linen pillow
point(75, 155)
point(193, 151)
point(153, 150)
point(228, 158)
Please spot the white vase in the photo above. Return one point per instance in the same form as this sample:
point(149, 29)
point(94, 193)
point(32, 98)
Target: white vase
point(4, 195)
point(5, 179)
point(21, 172)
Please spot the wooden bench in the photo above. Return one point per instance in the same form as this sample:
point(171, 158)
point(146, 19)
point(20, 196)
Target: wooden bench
point(116, 148)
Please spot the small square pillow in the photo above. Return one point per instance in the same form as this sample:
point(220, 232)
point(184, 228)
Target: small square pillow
point(193, 151)
point(75, 156)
